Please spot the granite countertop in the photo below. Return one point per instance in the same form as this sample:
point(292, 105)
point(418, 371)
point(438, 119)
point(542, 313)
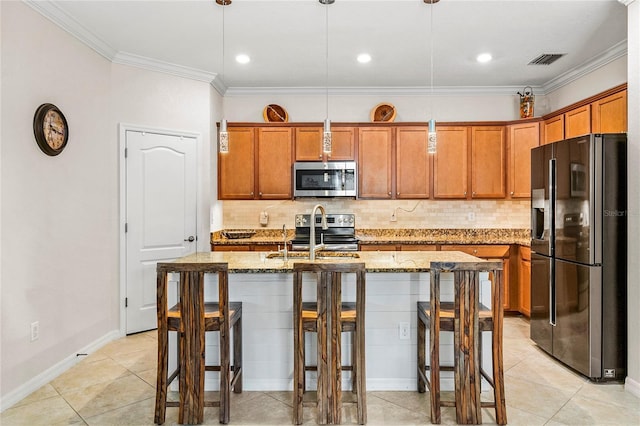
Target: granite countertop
point(397, 236)
point(388, 261)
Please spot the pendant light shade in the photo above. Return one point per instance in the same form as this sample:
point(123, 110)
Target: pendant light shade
point(432, 142)
point(223, 137)
point(326, 137)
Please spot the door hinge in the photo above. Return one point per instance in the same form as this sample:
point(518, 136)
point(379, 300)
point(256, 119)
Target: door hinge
point(126, 152)
point(126, 228)
point(126, 302)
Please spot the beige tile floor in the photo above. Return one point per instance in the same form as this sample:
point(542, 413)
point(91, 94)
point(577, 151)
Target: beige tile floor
point(116, 386)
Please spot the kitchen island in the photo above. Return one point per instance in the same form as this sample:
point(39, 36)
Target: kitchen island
point(264, 284)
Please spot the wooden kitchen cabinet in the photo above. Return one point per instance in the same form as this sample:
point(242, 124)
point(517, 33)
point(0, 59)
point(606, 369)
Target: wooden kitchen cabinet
point(552, 129)
point(258, 164)
point(375, 146)
point(413, 163)
point(488, 162)
point(308, 144)
point(496, 252)
point(275, 158)
point(236, 168)
point(521, 138)
point(577, 122)
point(450, 162)
point(609, 114)
point(524, 280)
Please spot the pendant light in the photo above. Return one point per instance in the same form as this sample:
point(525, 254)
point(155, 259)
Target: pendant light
point(326, 134)
point(432, 138)
point(223, 136)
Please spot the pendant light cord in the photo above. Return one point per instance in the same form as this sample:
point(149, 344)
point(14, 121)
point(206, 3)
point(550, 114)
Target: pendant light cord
point(431, 59)
point(327, 58)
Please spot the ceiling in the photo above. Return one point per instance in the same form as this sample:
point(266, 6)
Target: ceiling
point(287, 41)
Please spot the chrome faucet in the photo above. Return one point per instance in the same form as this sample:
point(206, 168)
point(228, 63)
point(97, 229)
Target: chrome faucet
point(312, 236)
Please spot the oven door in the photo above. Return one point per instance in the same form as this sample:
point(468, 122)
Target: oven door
point(331, 179)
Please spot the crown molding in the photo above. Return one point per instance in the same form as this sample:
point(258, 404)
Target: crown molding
point(377, 91)
point(617, 51)
point(626, 2)
point(151, 64)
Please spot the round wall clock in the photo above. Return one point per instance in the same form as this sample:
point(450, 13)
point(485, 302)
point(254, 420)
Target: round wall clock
point(384, 112)
point(50, 129)
point(273, 113)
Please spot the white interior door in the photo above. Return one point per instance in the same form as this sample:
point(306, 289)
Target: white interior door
point(161, 219)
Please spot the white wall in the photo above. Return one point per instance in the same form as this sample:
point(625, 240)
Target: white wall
point(633, 99)
point(59, 214)
point(163, 101)
point(357, 107)
point(604, 78)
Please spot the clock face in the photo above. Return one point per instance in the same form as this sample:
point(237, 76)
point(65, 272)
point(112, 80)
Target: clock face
point(55, 129)
point(50, 129)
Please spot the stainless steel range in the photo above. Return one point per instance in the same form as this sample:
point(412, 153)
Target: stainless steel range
point(340, 235)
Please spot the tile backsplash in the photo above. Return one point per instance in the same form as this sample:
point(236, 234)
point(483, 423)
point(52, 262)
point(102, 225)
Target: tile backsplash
point(376, 214)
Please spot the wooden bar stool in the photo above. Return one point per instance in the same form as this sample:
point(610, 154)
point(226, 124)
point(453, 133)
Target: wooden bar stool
point(191, 317)
point(466, 317)
point(329, 317)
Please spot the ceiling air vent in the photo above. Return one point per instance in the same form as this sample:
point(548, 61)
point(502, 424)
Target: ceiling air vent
point(546, 59)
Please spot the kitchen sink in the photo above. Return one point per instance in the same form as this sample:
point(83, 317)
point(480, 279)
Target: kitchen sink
point(321, 255)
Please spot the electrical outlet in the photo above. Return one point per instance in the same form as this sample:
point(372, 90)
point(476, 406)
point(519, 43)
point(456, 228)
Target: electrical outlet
point(393, 217)
point(471, 216)
point(35, 330)
point(264, 218)
point(403, 330)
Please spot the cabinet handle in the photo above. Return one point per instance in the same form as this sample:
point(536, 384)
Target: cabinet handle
point(465, 193)
point(511, 192)
point(320, 156)
point(397, 193)
point(260, 194)
point(473, 194)
point(389, 193)
point(251, 192)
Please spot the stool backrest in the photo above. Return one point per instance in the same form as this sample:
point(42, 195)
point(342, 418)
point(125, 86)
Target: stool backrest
point(467, 282)
point(192, 285)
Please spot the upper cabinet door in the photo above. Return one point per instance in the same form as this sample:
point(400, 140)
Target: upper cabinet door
point(522, 138)
point(275, 160)
point(487, 162)
point(553, 129)
point(343, 141)
point(577, 122)
point(413, 164)
point(609, 115)
point(236, 168)
point(450, 162)
point(374, 162)
point(308, 143)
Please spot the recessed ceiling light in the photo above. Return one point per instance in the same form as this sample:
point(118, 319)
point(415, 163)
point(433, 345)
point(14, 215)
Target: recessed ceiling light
point(243, 59)
point(483, 58)
point(363, 58)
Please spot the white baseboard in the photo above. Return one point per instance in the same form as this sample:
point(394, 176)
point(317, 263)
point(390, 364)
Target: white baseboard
point(54, 371)
point(632, 386)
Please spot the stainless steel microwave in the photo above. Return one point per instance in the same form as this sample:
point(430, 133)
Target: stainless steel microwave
point(325, 179)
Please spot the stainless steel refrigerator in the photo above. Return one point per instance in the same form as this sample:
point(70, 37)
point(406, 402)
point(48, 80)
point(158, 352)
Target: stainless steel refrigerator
point(579, 253)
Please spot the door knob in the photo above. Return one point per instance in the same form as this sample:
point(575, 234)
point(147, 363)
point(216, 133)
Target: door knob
point(190, 239)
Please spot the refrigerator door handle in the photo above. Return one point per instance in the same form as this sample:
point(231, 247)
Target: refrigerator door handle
point(552, 292)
